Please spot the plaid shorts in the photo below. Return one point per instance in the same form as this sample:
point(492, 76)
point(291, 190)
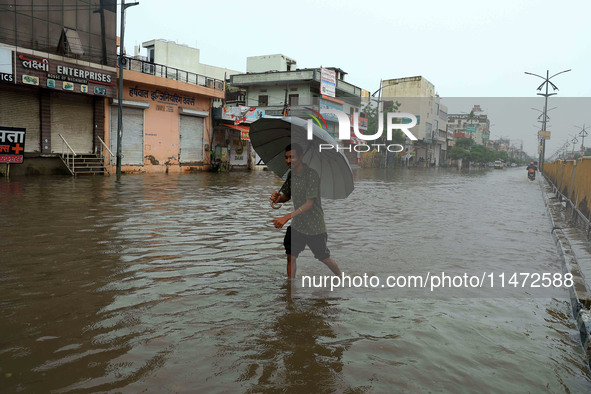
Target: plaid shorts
point(295, 242)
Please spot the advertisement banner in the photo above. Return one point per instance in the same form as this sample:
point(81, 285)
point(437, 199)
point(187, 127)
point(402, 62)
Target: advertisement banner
point(328, 82)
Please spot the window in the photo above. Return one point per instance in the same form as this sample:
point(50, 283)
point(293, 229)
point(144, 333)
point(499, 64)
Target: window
point(293, 99)
point(263, 100)
point(436, 109)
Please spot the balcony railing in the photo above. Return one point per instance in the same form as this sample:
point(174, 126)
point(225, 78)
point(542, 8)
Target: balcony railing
point(160, 70)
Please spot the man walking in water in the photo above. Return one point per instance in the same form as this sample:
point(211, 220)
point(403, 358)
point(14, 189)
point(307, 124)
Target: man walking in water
point(308, 227)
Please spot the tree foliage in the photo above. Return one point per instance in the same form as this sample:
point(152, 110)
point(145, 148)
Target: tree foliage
point(466, 148)
point(371, 112)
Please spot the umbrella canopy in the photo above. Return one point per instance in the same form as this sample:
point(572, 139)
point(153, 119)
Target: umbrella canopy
point(270, 136)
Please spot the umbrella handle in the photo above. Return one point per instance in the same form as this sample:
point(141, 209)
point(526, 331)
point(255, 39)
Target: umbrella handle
point(275, 206)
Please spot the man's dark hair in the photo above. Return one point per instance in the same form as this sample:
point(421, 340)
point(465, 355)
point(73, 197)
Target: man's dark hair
point(296, 147)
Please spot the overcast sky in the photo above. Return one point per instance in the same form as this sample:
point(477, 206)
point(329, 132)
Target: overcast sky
point(465, 48)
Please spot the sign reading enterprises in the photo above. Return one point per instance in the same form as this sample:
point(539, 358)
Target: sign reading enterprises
point(55, 74)
point(12, 144)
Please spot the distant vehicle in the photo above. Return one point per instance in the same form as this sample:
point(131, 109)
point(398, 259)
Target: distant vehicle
point(513, 164)
point(498, 164)
point(531, 174)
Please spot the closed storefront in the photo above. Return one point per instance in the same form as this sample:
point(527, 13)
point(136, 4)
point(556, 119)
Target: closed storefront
point(191, 139)
point(132, 143)
point(72, 118)
point(20, 108)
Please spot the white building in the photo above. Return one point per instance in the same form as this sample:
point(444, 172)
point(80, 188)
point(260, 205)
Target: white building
point(417, 96)
point(276, 86)
point(182, 57)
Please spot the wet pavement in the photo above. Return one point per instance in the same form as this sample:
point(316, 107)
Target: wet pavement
point(175, 283)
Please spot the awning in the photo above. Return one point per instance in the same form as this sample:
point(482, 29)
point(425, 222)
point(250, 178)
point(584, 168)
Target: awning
point(239, 128)
point(242, 129)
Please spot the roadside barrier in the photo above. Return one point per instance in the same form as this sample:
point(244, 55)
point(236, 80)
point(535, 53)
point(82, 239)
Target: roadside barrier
point(572, 181)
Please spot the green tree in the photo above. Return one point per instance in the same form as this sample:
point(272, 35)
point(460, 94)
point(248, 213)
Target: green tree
point(465, 143)
point(479, 154)
point(371, 112)
point(458, 152)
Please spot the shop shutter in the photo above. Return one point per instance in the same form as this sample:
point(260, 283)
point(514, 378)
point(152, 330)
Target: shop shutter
point(72, 117)
point(132, 143)
point(191, 139)
point(20, 108)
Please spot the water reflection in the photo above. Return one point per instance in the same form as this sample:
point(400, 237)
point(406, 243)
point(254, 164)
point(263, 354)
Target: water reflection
point(297, 352)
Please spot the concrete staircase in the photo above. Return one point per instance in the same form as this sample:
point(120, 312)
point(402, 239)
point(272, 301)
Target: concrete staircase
point(85, 164)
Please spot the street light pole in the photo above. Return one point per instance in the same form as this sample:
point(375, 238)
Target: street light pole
point(121, 63)
point(546, 95)
point(583, 133)
point(574, 141)
point(379, 114)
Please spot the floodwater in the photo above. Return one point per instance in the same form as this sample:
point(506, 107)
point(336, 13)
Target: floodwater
point(176, 283)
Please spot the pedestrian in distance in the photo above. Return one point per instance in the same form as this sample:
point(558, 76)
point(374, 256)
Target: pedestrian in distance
point(307, 227)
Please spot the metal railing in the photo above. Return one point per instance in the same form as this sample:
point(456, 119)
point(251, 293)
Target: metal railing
point(66, 156)
point(105, 147)
point(160, 70)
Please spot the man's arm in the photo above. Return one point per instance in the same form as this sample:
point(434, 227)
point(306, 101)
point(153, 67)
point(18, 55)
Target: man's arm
point(280, 222)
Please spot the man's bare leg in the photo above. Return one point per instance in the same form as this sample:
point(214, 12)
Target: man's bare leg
point(332, 265)
point(291, 266)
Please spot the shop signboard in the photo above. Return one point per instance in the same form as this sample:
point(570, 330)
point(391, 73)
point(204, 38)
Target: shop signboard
point(326, 104)
point(6, 70)
point(12, 145)
point(63, 76)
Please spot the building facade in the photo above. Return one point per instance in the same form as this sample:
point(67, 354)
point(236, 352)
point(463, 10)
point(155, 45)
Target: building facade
point(275, 85)
point(57, 77)
point(416, 95)
point(474, 125)
point(167, 118)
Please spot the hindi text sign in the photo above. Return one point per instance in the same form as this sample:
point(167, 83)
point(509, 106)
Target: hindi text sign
point(12, 144)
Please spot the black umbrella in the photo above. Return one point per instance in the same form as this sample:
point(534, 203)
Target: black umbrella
point(269, 137)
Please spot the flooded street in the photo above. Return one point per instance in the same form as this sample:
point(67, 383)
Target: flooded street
point(176, 283)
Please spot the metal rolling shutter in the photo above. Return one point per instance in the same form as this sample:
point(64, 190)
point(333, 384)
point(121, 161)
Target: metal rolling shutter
point(21, 109)
point(72, 117)
point(191, 139)
point(132, 143)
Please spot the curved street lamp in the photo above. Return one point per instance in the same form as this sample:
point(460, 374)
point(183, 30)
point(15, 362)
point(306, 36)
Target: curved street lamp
point(546, 82)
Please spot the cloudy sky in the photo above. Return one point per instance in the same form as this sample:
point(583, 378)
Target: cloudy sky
point(467, 49)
